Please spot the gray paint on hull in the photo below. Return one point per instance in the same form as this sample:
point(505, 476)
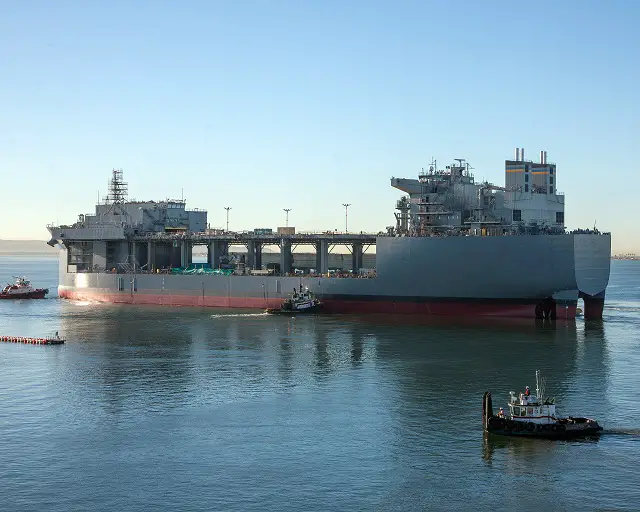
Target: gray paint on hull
point(509, 267)
point(492, 267)
point(592, 263)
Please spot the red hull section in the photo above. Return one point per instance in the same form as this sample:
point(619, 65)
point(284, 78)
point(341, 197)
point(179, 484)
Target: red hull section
point(36, 294)
point(436, 307)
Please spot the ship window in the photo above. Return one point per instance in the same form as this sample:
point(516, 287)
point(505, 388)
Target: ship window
point(551, 179)
point(526, 188)
point(120, 284)
point(551, 190)
point(517, 215)
point(523, 411)
point(559, 217)
point(526, 178)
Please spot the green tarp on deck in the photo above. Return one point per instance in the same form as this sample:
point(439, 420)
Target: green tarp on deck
point(202, 270)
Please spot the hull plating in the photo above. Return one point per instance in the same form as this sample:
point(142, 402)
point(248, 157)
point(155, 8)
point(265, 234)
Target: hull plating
point(37, 294)
point(487, 276)
point(467, 307)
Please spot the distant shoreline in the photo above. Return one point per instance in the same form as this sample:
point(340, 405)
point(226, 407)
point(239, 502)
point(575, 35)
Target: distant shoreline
point(27, 248)
point(28, 254)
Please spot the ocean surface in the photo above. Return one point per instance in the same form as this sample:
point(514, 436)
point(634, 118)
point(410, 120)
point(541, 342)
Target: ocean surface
point(157, 408)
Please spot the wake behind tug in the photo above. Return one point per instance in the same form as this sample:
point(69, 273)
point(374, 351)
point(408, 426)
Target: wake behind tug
point(534, 416)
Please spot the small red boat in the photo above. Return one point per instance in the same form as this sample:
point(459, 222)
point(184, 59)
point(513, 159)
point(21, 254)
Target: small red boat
point(22, 289)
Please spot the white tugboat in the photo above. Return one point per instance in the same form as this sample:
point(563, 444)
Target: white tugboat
point(534, 416)
point(299, 302)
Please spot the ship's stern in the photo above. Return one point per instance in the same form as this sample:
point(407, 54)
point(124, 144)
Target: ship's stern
point(592, 260)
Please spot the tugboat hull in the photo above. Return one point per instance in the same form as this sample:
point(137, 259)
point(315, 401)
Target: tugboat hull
point(35, 294)
point(571, 428)
point(564, 428)
point(282, 311)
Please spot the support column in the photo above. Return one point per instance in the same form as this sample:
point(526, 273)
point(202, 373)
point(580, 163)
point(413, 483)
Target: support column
point(132, 256)
point(213, 260)
point(151, 256)
point(356, 257)
point(175, 254)
point(251, 255)
point(215, 251)
point(185, 253)
point(258, 256)
point(286, 258)
point(318, 246)
point(324, 256)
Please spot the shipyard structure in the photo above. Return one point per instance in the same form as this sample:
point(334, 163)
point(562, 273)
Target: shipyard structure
point(457, 247)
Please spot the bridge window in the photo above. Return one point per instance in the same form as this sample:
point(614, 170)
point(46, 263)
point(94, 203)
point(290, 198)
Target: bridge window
point(517, 215)
point(559, 217)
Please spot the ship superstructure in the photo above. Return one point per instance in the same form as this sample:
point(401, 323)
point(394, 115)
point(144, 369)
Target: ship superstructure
point(448, 201)
point(458, 247)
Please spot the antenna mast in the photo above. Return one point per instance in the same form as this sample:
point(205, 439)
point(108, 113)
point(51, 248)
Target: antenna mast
point(540, 385)
point(117, 188)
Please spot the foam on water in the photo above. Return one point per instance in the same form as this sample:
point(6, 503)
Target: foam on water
point(239, 315)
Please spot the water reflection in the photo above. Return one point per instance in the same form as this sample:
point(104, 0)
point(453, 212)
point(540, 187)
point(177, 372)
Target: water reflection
point(128, 356)
point(594, 329)
point(357, 348)
point(322, 359)
point(473, 354)
point(170, 356)
point(289, 338)
point(425, 355)
point(514, 450)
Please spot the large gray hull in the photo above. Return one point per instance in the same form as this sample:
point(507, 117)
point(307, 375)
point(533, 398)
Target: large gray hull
point(504, 276)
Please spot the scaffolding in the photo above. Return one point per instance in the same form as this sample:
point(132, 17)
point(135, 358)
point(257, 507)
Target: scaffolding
point(118, 189)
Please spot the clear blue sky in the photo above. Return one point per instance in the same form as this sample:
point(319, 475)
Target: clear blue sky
point(307, 105)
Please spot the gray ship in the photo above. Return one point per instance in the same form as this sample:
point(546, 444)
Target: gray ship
point(457, 248)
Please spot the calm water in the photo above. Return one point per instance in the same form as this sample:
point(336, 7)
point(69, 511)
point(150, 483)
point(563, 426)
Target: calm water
point(156, 408)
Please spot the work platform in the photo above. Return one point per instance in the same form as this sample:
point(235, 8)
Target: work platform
point(268, 238)
point(218, 247)
point(150, 251)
